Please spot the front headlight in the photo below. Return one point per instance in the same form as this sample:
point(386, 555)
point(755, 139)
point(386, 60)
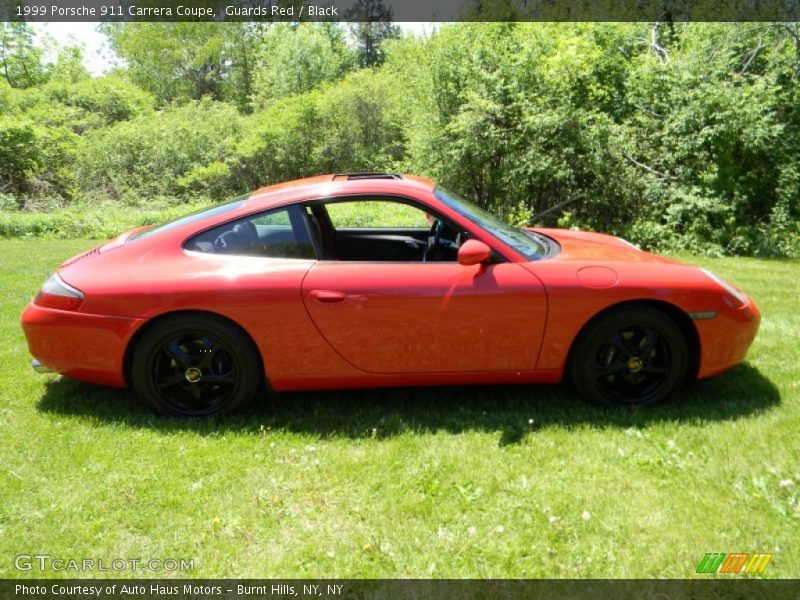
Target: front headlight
point(735, 298)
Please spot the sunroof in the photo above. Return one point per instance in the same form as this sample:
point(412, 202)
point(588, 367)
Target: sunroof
point(354, 176)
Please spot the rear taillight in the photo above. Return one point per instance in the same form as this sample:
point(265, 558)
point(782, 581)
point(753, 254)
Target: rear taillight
point(54, 293)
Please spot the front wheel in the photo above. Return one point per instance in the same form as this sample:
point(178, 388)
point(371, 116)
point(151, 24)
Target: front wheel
point(632, 357)
point(195, 366)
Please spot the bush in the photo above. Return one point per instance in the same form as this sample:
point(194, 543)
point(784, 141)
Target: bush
point(149, 155)
point(99, 221)
point(108, 98)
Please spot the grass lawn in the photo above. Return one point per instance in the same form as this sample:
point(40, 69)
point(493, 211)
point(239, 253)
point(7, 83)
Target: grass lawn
point(451, 482)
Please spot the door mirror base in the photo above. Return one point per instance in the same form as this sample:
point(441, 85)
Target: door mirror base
point(473, 252)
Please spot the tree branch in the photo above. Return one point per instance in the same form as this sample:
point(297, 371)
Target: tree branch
point(649, 169)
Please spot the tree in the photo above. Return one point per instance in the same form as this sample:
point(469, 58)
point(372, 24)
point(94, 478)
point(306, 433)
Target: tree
point(186, 61)
point(374, 26)
point(20, 58)
point(293, 59)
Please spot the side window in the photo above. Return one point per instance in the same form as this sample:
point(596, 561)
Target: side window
point(381, 230)
point(273, 234)
point(378, 214)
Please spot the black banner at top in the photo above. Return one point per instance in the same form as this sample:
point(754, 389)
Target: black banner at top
point(400, 10)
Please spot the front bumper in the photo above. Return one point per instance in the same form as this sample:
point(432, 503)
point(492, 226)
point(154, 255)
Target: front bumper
point(725, 339)
point(82, 346)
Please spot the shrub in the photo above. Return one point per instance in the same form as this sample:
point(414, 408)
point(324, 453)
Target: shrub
point(150, 154)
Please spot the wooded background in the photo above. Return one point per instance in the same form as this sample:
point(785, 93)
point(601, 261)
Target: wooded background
point(676, 136)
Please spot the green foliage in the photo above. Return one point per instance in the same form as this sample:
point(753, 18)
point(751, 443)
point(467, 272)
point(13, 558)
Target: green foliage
point(108, 98)
point(101, 220)
point(354, 125)
point(179, 61)
point(371, 25)
point(20, 59)
point(294, 59)
point(19, 155)
point(677, 136)
point(148, 155)
point(360, 126)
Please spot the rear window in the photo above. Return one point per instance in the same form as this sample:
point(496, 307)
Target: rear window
point(217, 209)
point(280, 233)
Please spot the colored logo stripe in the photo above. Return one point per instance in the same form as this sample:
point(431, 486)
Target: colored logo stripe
point(757, 563)
point(711, 562)
point(735, 562)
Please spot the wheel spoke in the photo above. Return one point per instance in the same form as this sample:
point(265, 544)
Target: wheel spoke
point(622, 344)
point(648, 343)
point(612, 369)
point(207, 359)
point(655, 370)
point(174, 350)
point(170, 380)
point(229, 377)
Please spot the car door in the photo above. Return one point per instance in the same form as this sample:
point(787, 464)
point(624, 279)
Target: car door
point(416, 317)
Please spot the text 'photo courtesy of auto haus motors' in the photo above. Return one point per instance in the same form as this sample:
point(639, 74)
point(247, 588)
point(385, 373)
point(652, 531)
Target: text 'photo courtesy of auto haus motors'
point(280, 287)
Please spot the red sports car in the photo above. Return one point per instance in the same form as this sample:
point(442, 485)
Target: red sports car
point(372, 279)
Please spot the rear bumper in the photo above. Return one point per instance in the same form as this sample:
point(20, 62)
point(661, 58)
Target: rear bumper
point(725, 339)
point(78, 345)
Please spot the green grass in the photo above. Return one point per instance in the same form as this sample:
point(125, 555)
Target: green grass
point(102, 220)
point(450, 482)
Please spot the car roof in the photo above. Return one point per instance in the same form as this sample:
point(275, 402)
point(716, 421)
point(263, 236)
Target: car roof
point(337, 185)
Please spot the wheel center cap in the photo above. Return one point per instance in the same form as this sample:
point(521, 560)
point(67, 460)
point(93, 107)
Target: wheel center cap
point(634, 364)
point(193, 374)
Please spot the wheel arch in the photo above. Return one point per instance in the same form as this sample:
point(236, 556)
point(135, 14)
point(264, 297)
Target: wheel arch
point(155, 321)
point(675, 313)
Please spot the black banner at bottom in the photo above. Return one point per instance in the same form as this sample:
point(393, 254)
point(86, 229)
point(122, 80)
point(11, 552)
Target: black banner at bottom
point(335, 589)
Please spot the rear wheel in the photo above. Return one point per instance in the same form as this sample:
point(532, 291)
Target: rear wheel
point(631, 357)
point(195, 366)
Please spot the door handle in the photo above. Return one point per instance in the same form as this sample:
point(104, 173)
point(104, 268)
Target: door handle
point(327, 296)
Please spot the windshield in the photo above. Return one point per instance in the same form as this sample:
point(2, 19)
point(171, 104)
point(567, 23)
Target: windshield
point(209, 211)
point(531, 246)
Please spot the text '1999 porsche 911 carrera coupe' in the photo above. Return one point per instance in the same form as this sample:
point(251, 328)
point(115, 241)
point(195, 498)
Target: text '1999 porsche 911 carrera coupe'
point(375, 279)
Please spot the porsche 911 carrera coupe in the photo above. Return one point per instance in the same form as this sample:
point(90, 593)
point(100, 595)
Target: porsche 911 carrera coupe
point(375, 279)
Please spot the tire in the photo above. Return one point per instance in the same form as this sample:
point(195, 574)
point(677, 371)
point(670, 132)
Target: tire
point(195, 366)
point(631, 357)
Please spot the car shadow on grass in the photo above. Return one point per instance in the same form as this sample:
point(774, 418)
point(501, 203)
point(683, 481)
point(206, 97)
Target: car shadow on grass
point(513, 411)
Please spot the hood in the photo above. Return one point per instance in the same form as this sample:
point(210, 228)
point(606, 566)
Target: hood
point(588, 246)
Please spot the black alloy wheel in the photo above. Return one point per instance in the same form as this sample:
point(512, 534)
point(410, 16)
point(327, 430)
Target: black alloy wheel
point(631, 357)
point(195, 366)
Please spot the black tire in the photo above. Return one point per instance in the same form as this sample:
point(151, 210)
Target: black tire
point(630, 357)
point(195, 366)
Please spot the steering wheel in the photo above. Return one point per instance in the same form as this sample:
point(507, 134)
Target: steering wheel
point(433, 239)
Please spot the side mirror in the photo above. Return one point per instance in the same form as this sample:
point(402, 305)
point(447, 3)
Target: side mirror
point(473, 252)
